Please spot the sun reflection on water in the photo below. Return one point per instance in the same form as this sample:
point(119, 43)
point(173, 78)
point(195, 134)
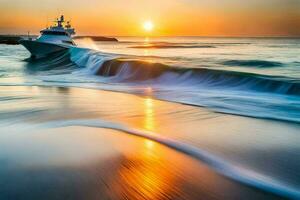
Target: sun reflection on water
point(144, 173)
point(146, 40)
point(149, 122)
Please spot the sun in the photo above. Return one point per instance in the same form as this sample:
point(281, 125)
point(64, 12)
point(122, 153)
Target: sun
point(148, 26)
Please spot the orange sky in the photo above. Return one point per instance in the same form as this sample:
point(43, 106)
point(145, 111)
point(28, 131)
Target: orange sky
point(170, 17)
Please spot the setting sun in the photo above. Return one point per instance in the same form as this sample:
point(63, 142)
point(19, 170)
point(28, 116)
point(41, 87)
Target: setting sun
point(148, 26)
point(149, 99)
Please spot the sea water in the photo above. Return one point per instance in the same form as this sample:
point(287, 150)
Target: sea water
point(255, 82)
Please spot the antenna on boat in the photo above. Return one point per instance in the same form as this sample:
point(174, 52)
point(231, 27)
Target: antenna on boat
point(46, 20)
point(60, 21)
point(28, 35)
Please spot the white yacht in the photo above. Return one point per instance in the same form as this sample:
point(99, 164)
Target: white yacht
point(53, 39)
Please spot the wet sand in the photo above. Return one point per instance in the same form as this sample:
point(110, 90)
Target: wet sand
point(41, 160)
point(93, 163)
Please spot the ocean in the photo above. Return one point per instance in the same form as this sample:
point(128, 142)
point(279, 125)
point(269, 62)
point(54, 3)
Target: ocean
point(118, 120)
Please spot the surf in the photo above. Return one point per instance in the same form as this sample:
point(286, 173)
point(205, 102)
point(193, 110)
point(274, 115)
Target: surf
point(230, 170)
point(225, 91)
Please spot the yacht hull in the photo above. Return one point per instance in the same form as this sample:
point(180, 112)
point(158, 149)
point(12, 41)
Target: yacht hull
point(41, 49)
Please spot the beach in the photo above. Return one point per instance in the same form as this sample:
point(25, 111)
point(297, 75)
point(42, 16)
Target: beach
point(44, 158)
point(160, 118)
point(70, 143)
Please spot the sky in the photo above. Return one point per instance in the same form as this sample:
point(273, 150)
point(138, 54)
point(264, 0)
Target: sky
point(170, 17)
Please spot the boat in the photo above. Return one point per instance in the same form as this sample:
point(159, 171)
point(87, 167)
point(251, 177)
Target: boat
point(52, 39)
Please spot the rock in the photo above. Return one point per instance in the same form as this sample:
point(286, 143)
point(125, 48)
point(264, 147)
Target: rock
point(9, 39)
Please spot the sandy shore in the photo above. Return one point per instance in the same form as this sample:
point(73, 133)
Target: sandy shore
point(95, 163)
point(41, 160)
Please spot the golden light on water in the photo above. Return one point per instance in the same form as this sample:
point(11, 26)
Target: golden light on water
point(149, 115)
point(146, 40)
point(144, 174)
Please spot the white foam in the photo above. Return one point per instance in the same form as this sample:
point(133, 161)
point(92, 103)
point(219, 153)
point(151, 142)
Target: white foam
point(223, 167)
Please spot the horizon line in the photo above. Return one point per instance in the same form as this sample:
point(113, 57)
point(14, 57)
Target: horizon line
point(157, 36)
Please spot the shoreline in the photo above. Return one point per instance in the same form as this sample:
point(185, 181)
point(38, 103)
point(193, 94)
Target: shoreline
point(53, 104)
point(90, 163)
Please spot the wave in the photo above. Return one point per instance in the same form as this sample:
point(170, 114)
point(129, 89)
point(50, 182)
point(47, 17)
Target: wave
point(224, 91)
point(126, 70)
point(60, 61)
point(219, 165)
point(252, 63)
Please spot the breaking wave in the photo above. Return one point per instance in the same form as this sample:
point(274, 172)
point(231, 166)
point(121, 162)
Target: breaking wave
point(134, 70)
point(233, 92)
point(58, 61)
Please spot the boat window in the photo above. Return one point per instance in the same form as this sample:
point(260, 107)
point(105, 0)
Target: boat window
point(53, 33)
point(68, 42)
